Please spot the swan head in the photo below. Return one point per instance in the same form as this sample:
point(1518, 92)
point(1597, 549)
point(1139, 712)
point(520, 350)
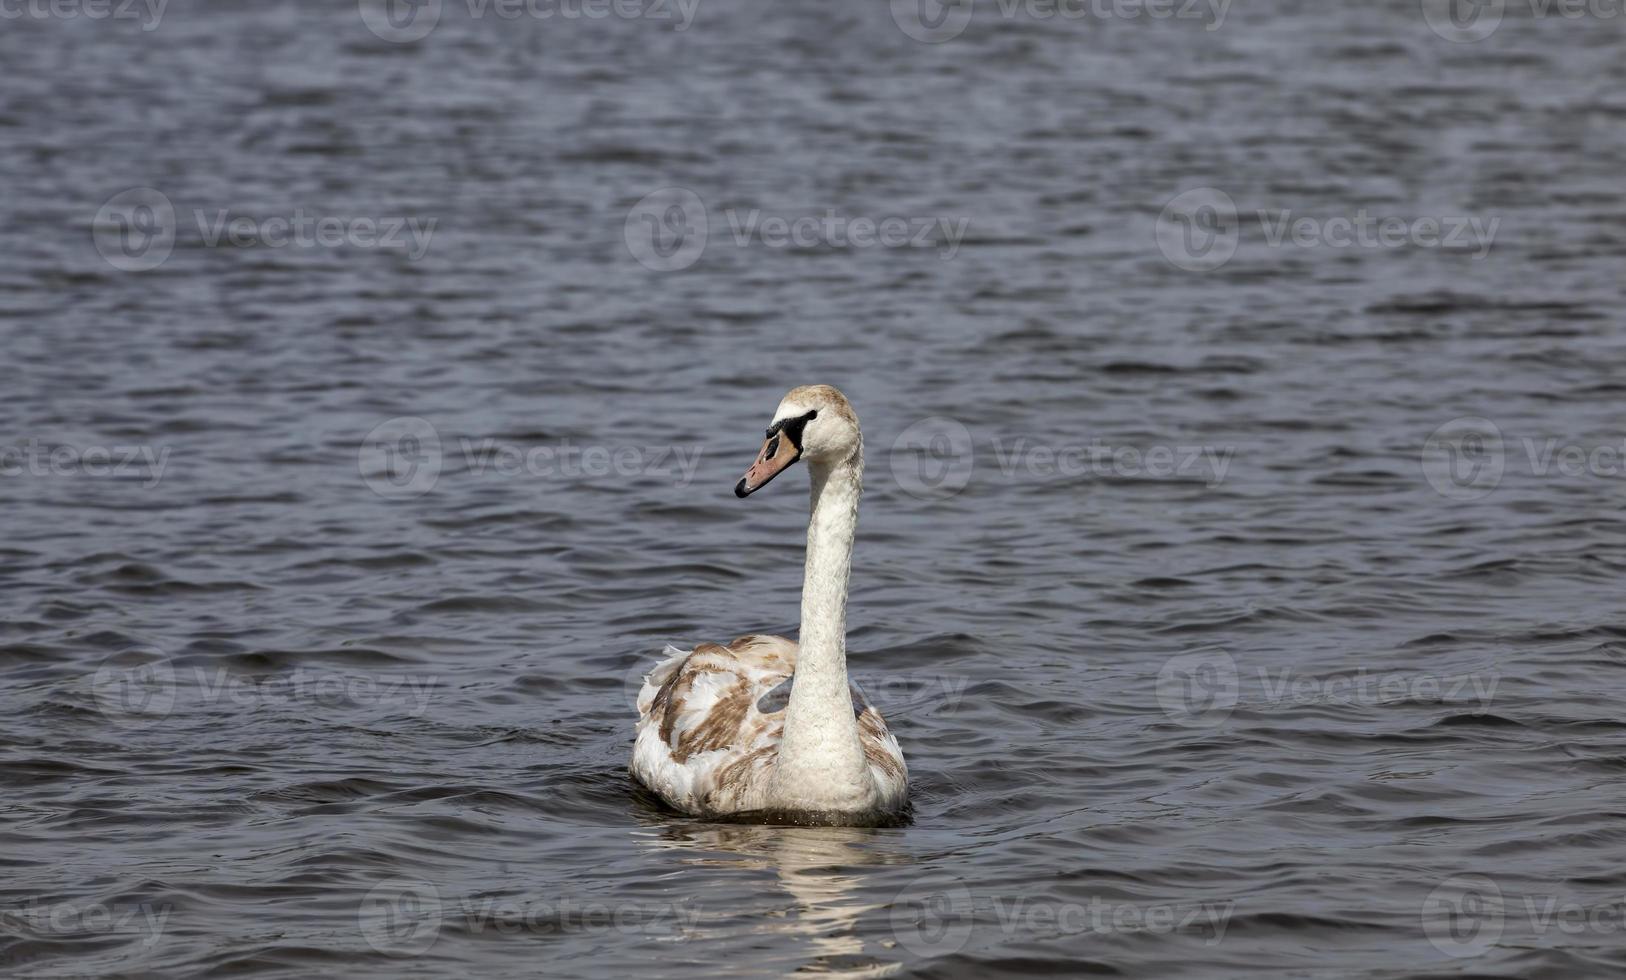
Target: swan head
point(813, 422)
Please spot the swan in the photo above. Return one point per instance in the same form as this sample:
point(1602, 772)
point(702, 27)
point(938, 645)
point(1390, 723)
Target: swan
point(764, 726)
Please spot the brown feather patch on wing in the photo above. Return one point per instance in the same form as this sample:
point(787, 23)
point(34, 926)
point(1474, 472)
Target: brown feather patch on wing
point(743, 770)
point(720, 728)
point(770, 653)
point(724, 724)
point(667, 705)
point(874, 736)
point(662, 704)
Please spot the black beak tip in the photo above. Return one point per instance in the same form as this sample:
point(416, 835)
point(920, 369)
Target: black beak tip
point(739, 489)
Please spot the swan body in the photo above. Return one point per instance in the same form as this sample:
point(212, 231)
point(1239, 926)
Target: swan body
point(711, 722)
point(764, 725)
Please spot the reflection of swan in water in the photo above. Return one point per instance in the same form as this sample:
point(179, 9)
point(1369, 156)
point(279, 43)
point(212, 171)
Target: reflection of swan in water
point(822, 870)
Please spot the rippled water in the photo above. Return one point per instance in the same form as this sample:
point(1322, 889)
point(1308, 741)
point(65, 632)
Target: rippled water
point(1245, 602)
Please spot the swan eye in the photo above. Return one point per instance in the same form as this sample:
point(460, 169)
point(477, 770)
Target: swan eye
point(771, 448)
point(792, 428)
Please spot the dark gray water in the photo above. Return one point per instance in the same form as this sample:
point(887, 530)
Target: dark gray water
point(1245, 595)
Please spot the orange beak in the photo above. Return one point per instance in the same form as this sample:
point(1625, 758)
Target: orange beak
point(778, 452)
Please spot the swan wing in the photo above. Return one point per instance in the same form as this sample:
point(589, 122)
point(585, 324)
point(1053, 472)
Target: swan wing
point(707, 738)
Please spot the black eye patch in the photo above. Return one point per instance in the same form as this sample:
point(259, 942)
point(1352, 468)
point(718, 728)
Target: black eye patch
point(792, 428)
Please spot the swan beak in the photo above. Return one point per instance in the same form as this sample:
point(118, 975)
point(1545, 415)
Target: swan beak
point(778, 452)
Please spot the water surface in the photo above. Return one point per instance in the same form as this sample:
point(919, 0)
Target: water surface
point(1205, 659)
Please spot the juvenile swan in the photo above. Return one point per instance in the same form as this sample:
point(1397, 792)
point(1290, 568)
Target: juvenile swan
point(763, 726)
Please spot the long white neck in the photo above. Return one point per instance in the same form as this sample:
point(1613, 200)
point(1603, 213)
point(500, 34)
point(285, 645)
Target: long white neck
point(821, 761)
